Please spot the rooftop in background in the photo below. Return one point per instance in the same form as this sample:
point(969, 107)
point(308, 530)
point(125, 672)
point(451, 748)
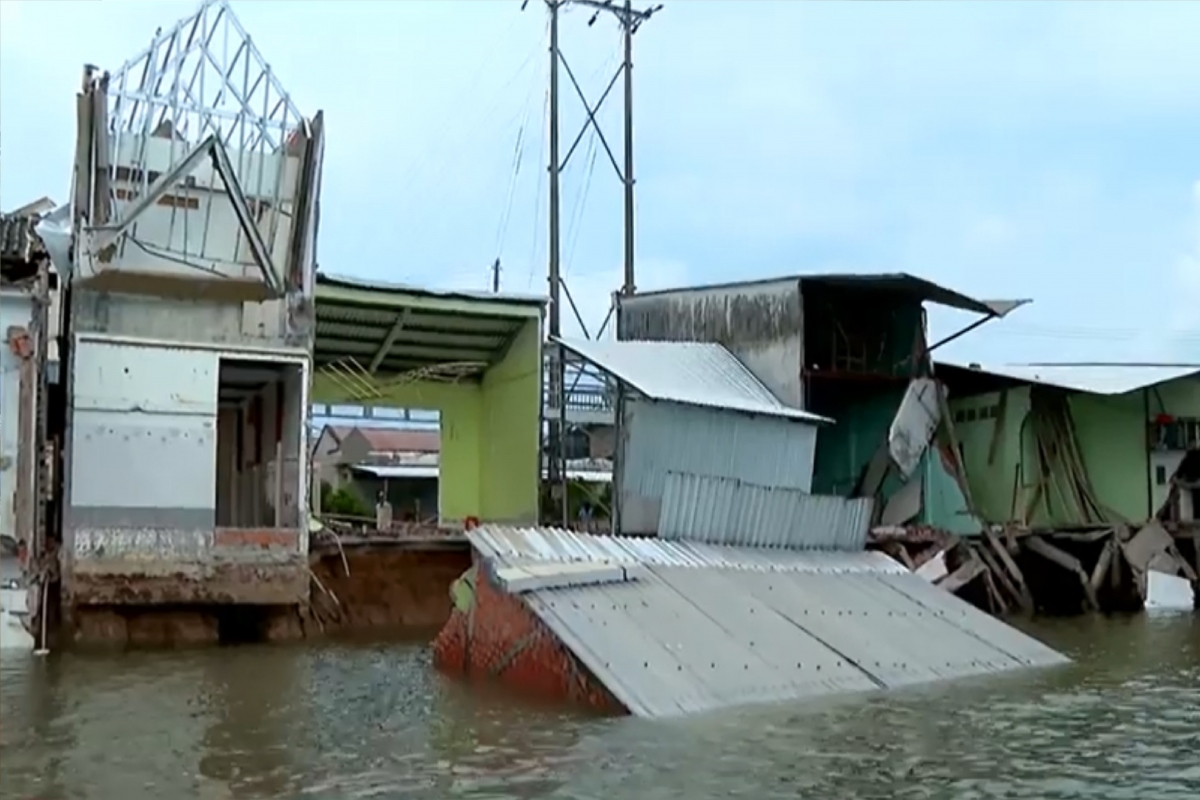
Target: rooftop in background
point(392, 440)
point(374, 326)
point(1089, 378)
point(691, 373)
point(901, 282)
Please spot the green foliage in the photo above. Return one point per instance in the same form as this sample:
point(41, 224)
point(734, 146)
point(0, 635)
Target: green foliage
point(344, 501)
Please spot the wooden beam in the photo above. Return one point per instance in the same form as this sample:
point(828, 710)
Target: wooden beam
point(1021, 589)
point(1068, 562)
point(389, 340)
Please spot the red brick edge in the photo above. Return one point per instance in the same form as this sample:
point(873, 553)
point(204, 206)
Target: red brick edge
point(500, 638)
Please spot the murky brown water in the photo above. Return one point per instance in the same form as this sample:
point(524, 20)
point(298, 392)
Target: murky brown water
point(342, 721)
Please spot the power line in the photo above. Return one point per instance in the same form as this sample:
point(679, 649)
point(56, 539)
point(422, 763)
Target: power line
point(630, 20)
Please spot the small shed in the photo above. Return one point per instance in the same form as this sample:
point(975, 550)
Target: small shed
point(692, 411)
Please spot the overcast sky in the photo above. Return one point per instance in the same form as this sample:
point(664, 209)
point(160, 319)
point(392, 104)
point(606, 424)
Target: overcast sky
point(1044, 150)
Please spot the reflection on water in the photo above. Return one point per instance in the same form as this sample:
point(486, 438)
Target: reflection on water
point(354, 721)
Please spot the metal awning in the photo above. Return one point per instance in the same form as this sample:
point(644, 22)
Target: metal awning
point(917, 288)
point(393, 328)
point(691, 373)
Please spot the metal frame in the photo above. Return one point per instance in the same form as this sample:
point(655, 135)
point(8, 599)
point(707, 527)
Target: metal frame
point(630, 20)
point(201, 79)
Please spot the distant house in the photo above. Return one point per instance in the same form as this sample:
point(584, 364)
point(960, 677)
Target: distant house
point(1070, 446)
point(339, 449)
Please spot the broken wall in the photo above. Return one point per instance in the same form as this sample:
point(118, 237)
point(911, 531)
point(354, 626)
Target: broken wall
point(761, 323)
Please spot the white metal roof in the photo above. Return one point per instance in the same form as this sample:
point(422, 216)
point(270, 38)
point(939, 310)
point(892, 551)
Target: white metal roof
point(693, 373)
point(555, 545)
point(1105, 379)
point(428, 468)
point(685, 634)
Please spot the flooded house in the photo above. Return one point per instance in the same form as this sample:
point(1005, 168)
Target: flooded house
point(188, 264)
point(30, 311)
point(1091, 466)
point(851, 347)
point(730, 579)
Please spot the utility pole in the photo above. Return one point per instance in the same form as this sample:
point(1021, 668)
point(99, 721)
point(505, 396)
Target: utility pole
point(628, 27)
point(496, 276)
point(630, 20)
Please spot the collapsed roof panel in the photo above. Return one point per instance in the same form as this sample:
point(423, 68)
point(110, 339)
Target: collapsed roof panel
point(195, 163)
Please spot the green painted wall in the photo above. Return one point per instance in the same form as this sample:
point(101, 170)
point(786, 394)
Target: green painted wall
point(1111, 433)
point(511, 419)
point(991, 478)
point(460, 406)
point(490, 433)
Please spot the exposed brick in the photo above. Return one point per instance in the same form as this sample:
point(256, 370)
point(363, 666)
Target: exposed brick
point(500, 638)
point(255, 537)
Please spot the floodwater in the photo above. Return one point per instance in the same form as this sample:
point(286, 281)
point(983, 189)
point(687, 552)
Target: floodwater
point(372, 721)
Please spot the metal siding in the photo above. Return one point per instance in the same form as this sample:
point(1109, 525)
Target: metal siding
point(664, 437)
point(152, 411)
point(553, 545)
point(694, 373)
point(15, 309)
point(682, 640)
point(1020, 647)
point(726, 511)
point(700, 627)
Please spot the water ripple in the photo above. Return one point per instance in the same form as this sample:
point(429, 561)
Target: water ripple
point(373, 721)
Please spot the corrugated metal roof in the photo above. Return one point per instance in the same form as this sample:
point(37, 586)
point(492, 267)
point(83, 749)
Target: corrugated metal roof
point(680, 641)
point(725, 511)
point(347, 282)
point(518, 545)
point(692, 373)
point(1103, 379)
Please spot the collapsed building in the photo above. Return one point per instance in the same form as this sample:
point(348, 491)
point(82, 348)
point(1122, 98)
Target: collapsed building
point(187, 259)
point(732, 579)
point(1089, 470)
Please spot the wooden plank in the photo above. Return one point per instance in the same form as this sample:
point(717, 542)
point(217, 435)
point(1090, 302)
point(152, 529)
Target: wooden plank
point(1104, 563)
point(1023, 594)
point(1002, 576)
point(1068, 562)
point(997, 601)
point(966, 572)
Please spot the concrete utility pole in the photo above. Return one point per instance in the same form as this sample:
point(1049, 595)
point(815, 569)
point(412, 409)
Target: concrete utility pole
point(630, 20)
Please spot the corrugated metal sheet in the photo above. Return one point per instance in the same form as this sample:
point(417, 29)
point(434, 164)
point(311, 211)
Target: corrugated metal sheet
point(705, 627)
point(658, 438)
point(701, 508)
point(693, 373)
point(1104, 379)
point(521, 545)
point(682, 641)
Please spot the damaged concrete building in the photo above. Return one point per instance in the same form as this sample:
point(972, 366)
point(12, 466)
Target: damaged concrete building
point(187, 253)
point(850, 347)
point(730, 581)
point(1091, 467)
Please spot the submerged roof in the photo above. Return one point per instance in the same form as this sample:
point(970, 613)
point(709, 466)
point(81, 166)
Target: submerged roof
point(1092, 378)
point(692, 373)
point(919, 289)
point(668, 635)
